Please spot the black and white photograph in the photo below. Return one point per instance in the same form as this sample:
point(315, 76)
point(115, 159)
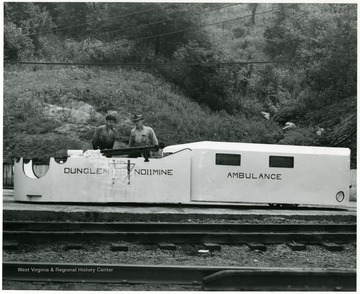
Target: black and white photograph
point(186, 146)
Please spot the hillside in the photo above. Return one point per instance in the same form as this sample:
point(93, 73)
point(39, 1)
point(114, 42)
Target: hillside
point(51, 111)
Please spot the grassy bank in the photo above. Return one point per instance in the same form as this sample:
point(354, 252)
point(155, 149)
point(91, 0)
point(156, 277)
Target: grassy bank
point(28, 132)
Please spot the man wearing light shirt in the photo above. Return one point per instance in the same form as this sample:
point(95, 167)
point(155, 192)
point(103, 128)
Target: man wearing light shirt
point(141, 135)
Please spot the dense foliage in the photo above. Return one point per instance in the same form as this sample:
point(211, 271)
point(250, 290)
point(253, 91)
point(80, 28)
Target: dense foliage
point(216, 84)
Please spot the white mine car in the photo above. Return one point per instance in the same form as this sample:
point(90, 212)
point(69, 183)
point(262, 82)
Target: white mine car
point(196, 173)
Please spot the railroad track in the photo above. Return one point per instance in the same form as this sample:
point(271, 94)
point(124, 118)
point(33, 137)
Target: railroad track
point(179, 232)
point(207, 278)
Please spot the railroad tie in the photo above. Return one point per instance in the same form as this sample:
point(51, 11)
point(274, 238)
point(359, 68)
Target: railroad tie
point(333, 246)
point(119, 247)
point(167, 246)
point(212, 246)
point(296, 246)
point(10, 246)
point(73, 246)
point(257, 246)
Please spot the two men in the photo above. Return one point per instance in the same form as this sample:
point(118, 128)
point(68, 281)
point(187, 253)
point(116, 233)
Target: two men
point(104, 136)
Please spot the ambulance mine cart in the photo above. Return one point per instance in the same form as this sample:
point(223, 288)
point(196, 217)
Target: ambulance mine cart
point(195, 173)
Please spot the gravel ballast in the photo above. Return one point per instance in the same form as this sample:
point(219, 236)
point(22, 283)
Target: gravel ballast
point(278, 255)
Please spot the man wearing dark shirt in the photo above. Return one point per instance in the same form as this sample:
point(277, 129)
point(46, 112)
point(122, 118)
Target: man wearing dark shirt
point(104, 136)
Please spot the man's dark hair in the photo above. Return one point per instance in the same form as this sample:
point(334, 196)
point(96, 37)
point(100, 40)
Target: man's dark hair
point(110, 117)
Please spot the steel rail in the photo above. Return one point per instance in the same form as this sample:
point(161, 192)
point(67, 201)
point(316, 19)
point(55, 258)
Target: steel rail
point(181, 237)
point(173, 227)
point(178, 232)
point(208, 278)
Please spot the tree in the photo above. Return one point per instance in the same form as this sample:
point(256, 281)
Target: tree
point(158, 27)
point(71, 18)
point(24, 25)
point(320, 41)
point(253, 7)
point(16, 44)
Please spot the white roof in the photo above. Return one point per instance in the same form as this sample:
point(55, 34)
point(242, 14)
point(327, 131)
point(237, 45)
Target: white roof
point(241, 147)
